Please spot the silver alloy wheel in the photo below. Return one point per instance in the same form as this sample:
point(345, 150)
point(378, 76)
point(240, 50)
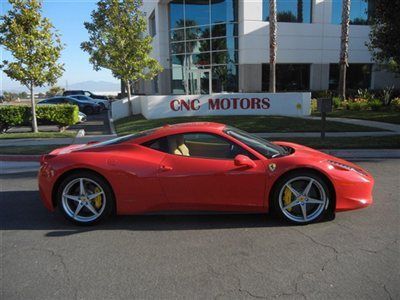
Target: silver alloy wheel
point(78, 197)
point(308, 204)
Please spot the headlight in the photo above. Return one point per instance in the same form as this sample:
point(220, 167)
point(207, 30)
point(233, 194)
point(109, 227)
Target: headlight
point(347, 167)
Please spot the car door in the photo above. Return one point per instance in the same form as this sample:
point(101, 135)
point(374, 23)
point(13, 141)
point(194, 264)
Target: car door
point(203, 174)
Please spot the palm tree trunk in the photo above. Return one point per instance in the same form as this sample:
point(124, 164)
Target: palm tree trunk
point(300, 11)
point(272, 45)
point(344, 48)
point(34, 122)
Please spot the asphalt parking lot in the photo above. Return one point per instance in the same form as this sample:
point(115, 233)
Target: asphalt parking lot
point(356, 256)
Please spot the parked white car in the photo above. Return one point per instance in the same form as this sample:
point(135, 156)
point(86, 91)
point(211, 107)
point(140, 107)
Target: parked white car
point(105, 104)
point(82, 117)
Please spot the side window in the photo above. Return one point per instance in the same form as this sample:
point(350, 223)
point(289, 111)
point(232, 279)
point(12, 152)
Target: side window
point(204, 145)
point(160, 144)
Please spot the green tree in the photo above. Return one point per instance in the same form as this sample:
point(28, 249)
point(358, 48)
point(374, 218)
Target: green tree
point(34, 45)
point(118, 42)
point(54, 90)
point(385, 34)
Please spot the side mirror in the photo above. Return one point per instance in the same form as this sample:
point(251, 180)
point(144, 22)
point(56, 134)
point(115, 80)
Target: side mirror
point(244, 161)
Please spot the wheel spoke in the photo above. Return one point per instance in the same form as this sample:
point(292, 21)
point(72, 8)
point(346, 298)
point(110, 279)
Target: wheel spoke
point(304, 211)
point(289, 206)
point(70, 197)
point(295, 193)
point(314, 201)
point(308, 187)
point(91, 208)
point(92, 196)
point(81, 187)
point(78, 209)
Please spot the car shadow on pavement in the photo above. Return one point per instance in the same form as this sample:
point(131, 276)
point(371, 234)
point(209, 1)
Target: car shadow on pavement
point(23, 210)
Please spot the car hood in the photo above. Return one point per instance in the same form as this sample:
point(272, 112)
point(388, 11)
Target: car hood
point(301, 151)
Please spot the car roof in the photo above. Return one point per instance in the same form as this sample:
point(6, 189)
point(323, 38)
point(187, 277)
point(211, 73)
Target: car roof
point(180, 128)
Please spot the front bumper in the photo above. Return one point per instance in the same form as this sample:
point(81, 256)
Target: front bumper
point(354, 193)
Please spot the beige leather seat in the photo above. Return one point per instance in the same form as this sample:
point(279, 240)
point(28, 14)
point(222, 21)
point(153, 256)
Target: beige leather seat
point(177, 146)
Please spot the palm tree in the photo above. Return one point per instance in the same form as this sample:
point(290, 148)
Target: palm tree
point(272, 45)
point(344, 48)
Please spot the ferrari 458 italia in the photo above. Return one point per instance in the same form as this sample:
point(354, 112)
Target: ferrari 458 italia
point(199, 167)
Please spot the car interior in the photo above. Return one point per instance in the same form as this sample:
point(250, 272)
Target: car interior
point(197, 145)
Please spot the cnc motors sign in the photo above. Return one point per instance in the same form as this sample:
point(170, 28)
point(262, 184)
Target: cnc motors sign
point(288, 104)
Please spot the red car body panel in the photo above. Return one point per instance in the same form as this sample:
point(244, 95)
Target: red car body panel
point(145, 180)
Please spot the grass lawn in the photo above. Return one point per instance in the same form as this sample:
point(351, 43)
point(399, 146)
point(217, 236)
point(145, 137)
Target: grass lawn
point(380, 116)
point(386, 142)
point(31, 135)
point(248, 123)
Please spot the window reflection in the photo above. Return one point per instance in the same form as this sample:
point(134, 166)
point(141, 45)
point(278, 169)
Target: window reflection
point(294, 11)
point(203, 36)
point(361, 11)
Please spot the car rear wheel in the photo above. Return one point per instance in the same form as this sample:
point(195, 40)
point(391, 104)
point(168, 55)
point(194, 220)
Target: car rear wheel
point(88, 110)
point(85, 198)
point(301, 198)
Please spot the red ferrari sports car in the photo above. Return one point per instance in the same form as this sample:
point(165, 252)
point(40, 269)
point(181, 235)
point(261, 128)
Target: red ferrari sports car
point(199, 167)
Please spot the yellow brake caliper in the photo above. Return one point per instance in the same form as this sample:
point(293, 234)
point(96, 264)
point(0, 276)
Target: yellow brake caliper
point(287, 198)
point(97, 200)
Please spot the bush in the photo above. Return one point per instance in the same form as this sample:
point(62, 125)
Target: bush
point(375, 104)
point(314, 107)
point(60, 115)
point(357, 104)
point(12, 115)
point(395, 104)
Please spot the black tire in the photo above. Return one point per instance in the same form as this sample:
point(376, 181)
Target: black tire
point(88, 110)
point(102, 106)
point(321, 211)
point(104, 213)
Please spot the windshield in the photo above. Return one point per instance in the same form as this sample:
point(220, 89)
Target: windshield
point(260, 145)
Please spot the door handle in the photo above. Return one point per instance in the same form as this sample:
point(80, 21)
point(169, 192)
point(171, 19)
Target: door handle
point(165, 168)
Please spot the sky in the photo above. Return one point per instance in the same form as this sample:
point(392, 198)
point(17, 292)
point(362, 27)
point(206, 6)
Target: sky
point(67, 17)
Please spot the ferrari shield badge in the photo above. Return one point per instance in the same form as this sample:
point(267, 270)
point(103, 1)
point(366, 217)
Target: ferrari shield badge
point(272, 167)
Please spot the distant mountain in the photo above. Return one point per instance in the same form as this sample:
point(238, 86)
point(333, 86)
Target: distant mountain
point(92, 86)
point(95, 86)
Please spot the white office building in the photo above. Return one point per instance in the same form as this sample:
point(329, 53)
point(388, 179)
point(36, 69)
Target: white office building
point(213, 46)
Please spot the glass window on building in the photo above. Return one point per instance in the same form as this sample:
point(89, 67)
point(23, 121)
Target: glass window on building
point(289, 77)
point(293, 11)
point(203, 44)
point(358, 76)
point(152, 24)
point(361, 11)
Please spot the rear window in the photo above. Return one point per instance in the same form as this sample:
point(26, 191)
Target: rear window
point(124, 138)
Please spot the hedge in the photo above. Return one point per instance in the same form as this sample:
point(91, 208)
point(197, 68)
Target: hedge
point(60, 115)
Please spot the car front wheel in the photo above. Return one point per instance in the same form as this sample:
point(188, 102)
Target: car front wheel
point(301, 198)
point(85, 198)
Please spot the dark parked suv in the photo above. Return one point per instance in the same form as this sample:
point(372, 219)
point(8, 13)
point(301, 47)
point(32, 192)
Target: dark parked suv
point(86, 93)
point(86, 107)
